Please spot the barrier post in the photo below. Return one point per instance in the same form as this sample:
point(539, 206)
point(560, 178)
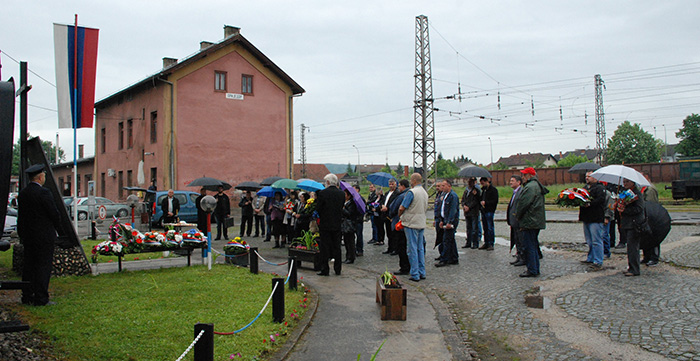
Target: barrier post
point(204, 348)
point(253, 260)
point(93, 230)
point(278, 300)
point(292, 261)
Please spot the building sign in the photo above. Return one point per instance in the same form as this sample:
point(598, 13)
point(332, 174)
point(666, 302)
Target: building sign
point(234, 96)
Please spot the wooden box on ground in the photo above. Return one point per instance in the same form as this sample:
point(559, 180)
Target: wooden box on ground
point(303, 255)
point(392, 301)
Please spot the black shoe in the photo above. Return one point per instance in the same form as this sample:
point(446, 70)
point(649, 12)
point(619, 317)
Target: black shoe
point(453, 263)
point(267, 240)
point(652, 263)
point(520, 263)
point(484, 247)
point(217, 238)
point(441, 264)
point(372, 242)
point(621, 245)
point(437, 258)
point(422, 277)
point(255, 236)
point(386, 252)
point(517, 260)
point(401, 273)
point(393, 253)
point(489, 248)
point(359, 254)
point(413, 279)
point(337, 273)
point(322, 273)
point(347, 261)
point(644, 261)
point(528, 274)
point(586, 262)
point(277, 246)
point(474, 247)
point(466, 246)
point(379, 243)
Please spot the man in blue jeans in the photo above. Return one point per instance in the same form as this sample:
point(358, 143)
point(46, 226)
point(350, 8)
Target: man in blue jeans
point(531, 219)
point(489, 201)
point(592, 215)
point(412, 214)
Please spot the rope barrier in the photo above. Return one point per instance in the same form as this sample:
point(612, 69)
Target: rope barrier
point(191, 345)
point(289, 272)
point(230, 256)
point(256, 317)
point(268, 262)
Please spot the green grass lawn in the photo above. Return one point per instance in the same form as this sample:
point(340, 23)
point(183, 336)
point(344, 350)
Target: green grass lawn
point(150, 315)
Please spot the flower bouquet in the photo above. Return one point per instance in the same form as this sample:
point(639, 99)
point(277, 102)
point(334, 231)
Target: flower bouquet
point(390, 280)
point(573, 197)
point(236, 246)
point(193, 237)
point(624, 198)
point(107, 248)
point(150, 240)
point(171, 239)
point(307, 241)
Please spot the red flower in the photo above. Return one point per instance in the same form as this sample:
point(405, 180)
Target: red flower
point(571, 196)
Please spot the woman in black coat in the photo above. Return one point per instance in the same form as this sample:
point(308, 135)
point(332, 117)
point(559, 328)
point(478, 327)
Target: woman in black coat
point(630, 214)
point(347, 227)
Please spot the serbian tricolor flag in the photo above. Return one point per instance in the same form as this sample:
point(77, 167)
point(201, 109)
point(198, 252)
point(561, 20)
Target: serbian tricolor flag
point(76, 68)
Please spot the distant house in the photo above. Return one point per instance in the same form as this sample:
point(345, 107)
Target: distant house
point(669, 154)
point(224, 112)
point(590, 154)
point(522, 161)
point(313, 171)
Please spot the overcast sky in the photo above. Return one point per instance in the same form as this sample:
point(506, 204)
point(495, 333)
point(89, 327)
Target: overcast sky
point(356, 62)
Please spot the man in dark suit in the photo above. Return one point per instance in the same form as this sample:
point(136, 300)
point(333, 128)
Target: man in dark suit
point(222, 211)
point(246, 205)
point(439, 195)
point(329, 205)
point(201, 214)
point(386, 202)
point(37, 221)
point(449, 220)
point(170, 206)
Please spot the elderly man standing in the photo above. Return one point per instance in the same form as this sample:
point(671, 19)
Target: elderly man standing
point(449, 220)
point(531, 219)
point(329, 205)
point(412, 214)
point(171, 207)
point(593, 217)
point(515, 184)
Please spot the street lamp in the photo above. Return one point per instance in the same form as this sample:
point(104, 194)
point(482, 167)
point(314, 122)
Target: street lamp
point(491, 146)
point(359, 173)
point(665, 142)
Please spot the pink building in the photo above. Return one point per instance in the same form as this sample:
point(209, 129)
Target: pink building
point(224, 112)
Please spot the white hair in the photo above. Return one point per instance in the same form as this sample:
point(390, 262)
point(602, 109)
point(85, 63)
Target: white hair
point(331, 179)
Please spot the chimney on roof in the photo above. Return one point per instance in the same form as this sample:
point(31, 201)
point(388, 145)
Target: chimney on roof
point(204, 44)
point(167, 62)
point(231, 31)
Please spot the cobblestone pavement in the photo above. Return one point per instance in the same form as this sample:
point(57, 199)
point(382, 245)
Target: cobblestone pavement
point(657, 313)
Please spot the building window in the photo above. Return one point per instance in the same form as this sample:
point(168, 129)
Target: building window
point(220, 81)
point(103, 139)
point(130, 133)
point(102, 184)
point(60, 185)
point(120, 180)
point(129, 174)
point(247, 84)
point(77, 188)
point(154, 174)
point(88, 178)
point(154, 127)
point(121, 135)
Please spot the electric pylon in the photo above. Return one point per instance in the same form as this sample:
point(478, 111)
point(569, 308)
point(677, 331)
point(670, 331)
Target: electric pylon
point(424, 156)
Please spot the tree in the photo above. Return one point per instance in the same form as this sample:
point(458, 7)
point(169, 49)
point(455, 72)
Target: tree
point(350, 170)
point(446, 168)
point(571, 160)
point(399, 169)
point(632, 144)
point(689, 145)
point(49, 150)
point(387, 169)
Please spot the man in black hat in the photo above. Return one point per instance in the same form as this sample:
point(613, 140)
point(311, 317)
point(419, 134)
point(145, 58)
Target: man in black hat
point(37, 221)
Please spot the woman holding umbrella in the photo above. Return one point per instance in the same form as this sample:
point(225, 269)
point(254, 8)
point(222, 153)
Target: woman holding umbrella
point(632, 213)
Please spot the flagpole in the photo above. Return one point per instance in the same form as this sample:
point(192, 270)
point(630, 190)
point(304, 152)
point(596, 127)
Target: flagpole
point(75, 125)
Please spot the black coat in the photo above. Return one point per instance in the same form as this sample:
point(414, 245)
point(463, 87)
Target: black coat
point(595, 212)
point(246, 209)
point(633, 213)
point(37, 217)
point(471, 199)
point(329, 205)
point(223, 205)
point(490, 196)
point(164, 206)
point(201, 214)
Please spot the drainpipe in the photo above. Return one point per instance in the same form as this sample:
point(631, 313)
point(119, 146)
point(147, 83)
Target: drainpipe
point(172, 133)
point(290, 158)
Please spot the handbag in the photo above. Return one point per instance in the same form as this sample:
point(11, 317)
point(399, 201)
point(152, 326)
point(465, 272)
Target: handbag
point(642, 227)
point(228, 222)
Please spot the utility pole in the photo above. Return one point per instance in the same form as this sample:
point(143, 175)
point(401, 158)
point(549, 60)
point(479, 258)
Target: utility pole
point(23, 89)
point(424, 155)
point(303, 150)
point(600, 138)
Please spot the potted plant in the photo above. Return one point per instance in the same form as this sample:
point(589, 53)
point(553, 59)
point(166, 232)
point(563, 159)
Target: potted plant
point(305, 249)
point(391, 296)
point(236, 251)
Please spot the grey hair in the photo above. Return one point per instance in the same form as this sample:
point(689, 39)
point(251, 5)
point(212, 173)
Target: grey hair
point(331, 179)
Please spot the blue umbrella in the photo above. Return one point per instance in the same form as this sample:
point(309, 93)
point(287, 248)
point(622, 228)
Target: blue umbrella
point(381, 178)
point(310, 185)
point(355, 196)
point(268, 191)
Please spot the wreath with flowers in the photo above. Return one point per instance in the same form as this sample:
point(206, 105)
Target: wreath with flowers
point(237, 246)
point(573, 197)
point(193, 236)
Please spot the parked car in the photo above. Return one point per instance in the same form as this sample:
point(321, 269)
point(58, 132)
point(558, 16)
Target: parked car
point(113, 209)
point(10, 222)
point(188, 211)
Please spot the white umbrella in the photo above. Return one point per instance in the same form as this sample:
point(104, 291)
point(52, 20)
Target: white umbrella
point(617, 173)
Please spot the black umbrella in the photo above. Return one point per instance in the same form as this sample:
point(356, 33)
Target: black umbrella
point(583, 168)
point(269, 180)
point(210, 184)
point(138, 189)
point(473, 171)
point(249, 186)
point(660, 223)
